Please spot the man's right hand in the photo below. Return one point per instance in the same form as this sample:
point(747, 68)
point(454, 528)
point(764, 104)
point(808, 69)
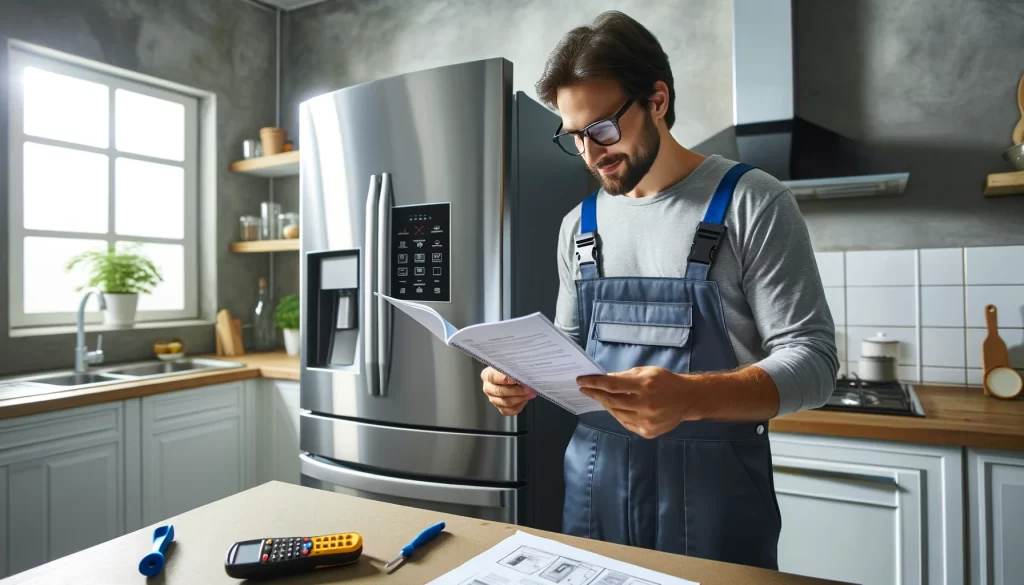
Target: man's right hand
point(508, 396)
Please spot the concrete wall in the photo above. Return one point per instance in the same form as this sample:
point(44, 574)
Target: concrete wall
point(222, 46)
point(930, 81)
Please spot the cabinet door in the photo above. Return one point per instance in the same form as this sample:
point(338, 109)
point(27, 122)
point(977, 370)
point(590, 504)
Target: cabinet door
point(62, 483)
point(996, 491)
point(284, 431)
point(196, 448)
point(869, 511)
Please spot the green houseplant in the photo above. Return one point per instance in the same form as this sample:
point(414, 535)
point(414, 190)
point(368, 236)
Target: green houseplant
point(122, 275)
point(286, 317)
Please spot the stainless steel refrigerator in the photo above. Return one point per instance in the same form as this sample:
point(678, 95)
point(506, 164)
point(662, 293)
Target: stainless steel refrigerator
point(441, 186)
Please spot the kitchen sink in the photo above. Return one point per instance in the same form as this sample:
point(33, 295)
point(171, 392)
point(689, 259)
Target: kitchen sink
point(76, 379)
point(135, 372)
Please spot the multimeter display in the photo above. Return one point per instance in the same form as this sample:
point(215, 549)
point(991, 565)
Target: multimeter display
point(276, 557)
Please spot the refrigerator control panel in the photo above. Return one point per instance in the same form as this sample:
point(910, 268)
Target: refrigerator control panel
point(421, 252)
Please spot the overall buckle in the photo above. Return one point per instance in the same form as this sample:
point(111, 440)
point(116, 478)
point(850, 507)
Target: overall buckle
point(705, 242)
point(586, 248)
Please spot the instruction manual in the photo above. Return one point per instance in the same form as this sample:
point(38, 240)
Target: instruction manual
point(525, 559)
point(530, 350)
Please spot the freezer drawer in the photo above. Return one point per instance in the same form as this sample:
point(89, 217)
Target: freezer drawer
point(487, 503)
point(464, 456)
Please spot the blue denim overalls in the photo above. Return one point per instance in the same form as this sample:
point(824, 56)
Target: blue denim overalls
point(704, 489)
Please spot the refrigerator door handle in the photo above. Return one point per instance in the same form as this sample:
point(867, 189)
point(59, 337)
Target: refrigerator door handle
point(487, 497)
point(369, 324)
point(383, 275)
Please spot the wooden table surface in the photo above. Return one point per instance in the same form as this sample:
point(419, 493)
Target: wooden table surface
point(275, 509)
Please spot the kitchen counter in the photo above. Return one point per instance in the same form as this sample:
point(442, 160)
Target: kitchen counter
point(277, 365)
point(275, 509)
point(954, 415)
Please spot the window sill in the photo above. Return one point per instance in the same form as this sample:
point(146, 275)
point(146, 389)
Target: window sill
point(101, 328)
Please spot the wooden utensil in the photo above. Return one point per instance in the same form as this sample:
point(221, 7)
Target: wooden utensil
point(1018, 132)
point(999, 379)
point(229, 335)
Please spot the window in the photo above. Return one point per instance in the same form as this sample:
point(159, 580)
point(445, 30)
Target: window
point(97, 159)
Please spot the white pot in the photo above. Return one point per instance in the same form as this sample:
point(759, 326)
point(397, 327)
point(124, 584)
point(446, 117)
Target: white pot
point(120, 309)
point(880, 346)
point(291, 341)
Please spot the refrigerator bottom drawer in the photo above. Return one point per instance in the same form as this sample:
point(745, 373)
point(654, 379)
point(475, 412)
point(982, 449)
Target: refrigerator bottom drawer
point(486, 503)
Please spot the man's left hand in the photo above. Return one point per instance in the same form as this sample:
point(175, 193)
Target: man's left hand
point(648, 400)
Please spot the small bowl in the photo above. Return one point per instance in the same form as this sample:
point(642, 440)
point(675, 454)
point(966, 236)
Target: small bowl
point(169, 357)
point(1015, 156)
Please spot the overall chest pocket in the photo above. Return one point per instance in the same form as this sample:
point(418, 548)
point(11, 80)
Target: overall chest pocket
point(625, 335)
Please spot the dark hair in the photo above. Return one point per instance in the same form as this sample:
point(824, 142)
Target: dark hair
point(614, 47)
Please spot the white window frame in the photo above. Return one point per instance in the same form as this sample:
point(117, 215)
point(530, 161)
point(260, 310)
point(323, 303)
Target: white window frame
point(21, 56)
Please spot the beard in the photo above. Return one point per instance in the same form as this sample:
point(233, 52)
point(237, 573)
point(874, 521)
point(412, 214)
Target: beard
point(635, 166)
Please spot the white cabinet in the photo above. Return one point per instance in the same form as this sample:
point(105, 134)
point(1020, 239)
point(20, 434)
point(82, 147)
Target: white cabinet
point(198, 446)
point(64, 478)
point(995, 487)
point(869, 511)
point(278, 431)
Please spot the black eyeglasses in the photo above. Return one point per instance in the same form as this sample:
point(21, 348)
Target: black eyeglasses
point(604, 132)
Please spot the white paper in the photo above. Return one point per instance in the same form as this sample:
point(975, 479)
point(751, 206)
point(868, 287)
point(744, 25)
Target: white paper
point(530, 350)
point(525, 559)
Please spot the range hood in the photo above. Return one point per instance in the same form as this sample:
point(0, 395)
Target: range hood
point(813, 161)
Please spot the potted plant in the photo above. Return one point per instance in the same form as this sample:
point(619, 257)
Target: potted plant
point(286, 317)
point(122, 276)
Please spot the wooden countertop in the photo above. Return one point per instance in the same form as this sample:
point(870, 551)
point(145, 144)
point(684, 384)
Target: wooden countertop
point(959, 416)
point(275, 509)
point(277, 365)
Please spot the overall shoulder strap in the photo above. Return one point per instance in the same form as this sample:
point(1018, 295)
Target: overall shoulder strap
point(586, 240)
point(711, 231)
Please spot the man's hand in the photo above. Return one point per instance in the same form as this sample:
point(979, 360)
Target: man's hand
point(505, 393)
point(648, 400)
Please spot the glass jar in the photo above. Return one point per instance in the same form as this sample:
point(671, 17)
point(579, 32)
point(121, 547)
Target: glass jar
point(250, 228)
point(268, 213)
point(288, 225)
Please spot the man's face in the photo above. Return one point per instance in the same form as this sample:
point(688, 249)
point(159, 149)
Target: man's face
point(622, 165)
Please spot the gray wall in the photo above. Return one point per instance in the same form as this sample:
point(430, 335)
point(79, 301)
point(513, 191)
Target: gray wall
point(222, 46)
point(931, 81)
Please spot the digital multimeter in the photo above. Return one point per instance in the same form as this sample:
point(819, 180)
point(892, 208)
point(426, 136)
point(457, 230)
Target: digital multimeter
point(276, 557)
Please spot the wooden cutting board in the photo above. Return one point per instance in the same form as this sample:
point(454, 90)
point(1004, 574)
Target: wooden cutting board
point(993, 349)
point(229, 335)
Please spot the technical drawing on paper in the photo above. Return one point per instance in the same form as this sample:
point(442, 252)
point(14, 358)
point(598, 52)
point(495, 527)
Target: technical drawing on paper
point(570, 572)
point(528, 560)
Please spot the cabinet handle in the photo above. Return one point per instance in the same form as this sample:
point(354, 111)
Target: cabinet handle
point(837, 475)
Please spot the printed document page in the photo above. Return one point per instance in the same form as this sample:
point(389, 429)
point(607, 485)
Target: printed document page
point(525, 559)
point(530, 350)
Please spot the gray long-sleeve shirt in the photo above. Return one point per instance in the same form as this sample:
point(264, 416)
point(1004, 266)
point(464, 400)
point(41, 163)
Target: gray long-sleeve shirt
point(771, 291)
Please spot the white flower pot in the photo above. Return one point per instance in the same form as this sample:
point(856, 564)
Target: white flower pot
point(120, 309)
point(291, 341)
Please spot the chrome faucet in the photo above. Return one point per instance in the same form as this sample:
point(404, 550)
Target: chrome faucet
point(84, 357)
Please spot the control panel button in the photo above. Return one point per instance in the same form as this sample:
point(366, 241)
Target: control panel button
point(403, 271)
point(435, 257)
point(402, 244)
point(419, 271)
point(437, 290)
point(403, 258)
point(419, 258)
point(437, 271)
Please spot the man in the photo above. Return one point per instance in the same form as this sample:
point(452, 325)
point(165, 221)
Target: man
point(709, 330)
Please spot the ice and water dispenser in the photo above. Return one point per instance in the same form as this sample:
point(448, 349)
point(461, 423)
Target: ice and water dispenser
point(333, 324)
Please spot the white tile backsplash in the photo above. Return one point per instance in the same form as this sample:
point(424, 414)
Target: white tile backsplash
point(1009, 302)
point(903, 373)
point(974, 376)
point(942, 347)
point(830, 267)
point(907, 336)
point(881, 306)
point(944, 375)
point(1013, 338)
point(841, 343)
point(942, 306)
point(942, 266)
point(835, 296)
point(995, 265)
point(881, 268)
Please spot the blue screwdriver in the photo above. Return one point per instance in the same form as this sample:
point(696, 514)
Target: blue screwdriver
point(423, 538)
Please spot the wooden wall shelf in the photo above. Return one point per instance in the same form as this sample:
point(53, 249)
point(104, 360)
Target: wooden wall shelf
point(266, 246)
point(1004, 184)
point(285, 164)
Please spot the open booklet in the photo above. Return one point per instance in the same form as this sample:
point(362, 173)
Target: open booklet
point(529, 349)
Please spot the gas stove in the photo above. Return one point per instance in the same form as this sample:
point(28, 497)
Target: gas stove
point(855, 395)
